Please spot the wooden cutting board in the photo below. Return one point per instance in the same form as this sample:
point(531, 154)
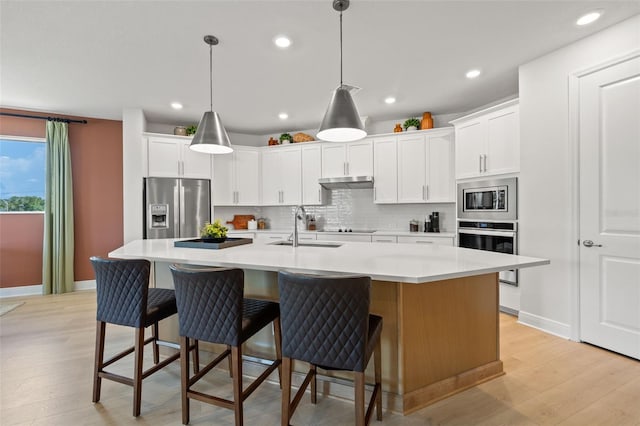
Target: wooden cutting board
point(240, 220)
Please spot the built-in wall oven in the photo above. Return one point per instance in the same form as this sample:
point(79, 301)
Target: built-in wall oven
point(487, 218)
point(501, 237)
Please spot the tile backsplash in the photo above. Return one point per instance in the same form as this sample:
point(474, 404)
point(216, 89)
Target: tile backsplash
point(350, 208)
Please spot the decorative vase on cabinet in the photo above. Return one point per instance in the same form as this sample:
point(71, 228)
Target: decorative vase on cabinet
point(427, 121)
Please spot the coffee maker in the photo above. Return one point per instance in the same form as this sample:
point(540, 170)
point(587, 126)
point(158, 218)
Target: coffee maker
point(432, 224)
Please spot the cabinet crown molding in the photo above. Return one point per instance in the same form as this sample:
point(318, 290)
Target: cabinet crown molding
point(485, 111)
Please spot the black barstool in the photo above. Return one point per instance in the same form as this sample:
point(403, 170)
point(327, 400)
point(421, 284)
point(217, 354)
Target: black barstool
point(212, 308)
point(124, 298)
point(326, 322)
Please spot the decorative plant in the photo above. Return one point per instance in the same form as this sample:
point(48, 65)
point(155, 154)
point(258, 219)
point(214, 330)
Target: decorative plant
point(286, 137)
point(411, 122)
point(191, 130)
point(214, 230)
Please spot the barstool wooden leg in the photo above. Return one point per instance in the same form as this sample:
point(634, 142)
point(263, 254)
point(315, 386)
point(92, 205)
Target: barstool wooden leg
point(184, 377)
point(196, 357)
point(156, 348)
point(359, 398)
point(277, 337)
point(236, 361)
point(314, 384)
point(137, 373)
point(377, 364)
point(286, 392)
point(229, 358)
point(98, 360)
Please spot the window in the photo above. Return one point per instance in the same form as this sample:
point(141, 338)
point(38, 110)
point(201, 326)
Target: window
point(22, 174)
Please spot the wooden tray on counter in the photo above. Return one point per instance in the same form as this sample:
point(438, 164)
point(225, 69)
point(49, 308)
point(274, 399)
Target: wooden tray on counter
point(200, 243)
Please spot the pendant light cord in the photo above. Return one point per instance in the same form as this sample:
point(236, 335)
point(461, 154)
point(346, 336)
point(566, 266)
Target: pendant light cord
point(340, 48)
point(211, 77)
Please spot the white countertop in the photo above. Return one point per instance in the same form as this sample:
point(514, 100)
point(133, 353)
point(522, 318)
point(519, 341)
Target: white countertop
point(410, 263)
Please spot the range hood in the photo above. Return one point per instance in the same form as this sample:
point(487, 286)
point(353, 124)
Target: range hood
point(347, 182)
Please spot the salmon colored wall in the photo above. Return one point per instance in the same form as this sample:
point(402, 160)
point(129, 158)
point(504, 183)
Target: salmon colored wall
point(96, 157)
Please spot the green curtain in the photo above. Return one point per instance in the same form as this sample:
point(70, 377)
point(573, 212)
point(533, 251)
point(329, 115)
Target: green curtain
point(57, 253)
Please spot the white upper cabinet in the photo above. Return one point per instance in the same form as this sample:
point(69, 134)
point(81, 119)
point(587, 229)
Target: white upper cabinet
point(281, 176)
point(170, 156)
point(236, 178)
point(426, 167)
point(385, 170)
point(488, 141)
point(347, 159)
point(312, 192)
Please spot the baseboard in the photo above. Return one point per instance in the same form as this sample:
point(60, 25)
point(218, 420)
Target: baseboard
point(25, 290)
point(544, 324)
point(84, 285)
point(36, 290)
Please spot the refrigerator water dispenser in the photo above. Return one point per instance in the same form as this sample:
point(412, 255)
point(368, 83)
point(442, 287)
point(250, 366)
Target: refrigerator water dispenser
point(158, 216)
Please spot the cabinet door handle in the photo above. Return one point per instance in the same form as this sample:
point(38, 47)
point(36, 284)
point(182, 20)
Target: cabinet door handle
point(424, 242)
point(379, 240)
point(480, 163)
point(375, 194)
point(344, 169)
point(319, 195)
point(424, 196)
point(426, 192)
point(484, 158)
point(347, 168)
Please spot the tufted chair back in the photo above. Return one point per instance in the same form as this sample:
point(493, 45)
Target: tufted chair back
point(325, 319)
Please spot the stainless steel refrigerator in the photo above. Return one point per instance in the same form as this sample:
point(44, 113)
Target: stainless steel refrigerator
point(175, 208)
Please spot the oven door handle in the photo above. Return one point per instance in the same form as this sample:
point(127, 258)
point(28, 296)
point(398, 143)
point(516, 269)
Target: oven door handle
point(481, 232)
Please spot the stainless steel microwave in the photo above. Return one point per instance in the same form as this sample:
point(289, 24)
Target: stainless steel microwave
point(495, 199)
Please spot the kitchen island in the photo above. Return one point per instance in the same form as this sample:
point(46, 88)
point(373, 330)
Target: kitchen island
point(439, 304)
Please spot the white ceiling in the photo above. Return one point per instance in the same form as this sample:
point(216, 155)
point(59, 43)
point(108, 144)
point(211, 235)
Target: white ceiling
point(95, 58)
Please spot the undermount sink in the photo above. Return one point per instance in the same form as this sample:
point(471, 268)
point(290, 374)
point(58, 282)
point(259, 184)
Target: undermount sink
point(306, 244)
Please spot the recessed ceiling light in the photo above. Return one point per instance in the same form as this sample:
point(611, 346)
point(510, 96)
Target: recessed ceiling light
point(282, 42)
point(283, 116)
point(589, 18)
point(390, 100)
point(472, 73)
point(176, 105)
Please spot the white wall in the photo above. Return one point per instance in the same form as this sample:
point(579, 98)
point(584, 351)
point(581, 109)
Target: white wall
point(133, 124)
point(546, 181)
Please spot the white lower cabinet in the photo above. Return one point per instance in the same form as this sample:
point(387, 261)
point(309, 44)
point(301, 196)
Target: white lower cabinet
point(384, 239)
point(240, 234)
point(272, 236)
point(447, 241)
point(344, 237)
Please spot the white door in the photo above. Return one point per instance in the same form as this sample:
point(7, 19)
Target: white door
point(610, 207)
point(271, 178)
point(412, 166)
point(471, 141)
point(247, 176)
point(164, 157)
point(503, 142)
point(223, 185)
point(195, 164)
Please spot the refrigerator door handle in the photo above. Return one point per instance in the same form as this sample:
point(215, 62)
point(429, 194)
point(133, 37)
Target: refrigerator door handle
point(183, 216)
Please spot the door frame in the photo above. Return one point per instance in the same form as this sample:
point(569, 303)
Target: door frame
point(574, 180)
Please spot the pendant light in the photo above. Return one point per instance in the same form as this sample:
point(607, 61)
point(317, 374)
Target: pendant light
point(211, 137)
point(341, 122)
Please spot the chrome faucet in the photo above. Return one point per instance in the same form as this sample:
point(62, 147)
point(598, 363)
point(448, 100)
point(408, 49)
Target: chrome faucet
point(296, 216)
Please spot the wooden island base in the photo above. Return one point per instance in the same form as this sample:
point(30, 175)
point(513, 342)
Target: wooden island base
point(439, 338)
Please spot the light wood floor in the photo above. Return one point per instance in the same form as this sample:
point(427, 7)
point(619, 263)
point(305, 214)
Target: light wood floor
point(46, 358)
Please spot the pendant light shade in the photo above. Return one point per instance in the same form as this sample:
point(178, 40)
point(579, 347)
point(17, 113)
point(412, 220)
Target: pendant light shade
point(341, 122)
point(211, 136)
